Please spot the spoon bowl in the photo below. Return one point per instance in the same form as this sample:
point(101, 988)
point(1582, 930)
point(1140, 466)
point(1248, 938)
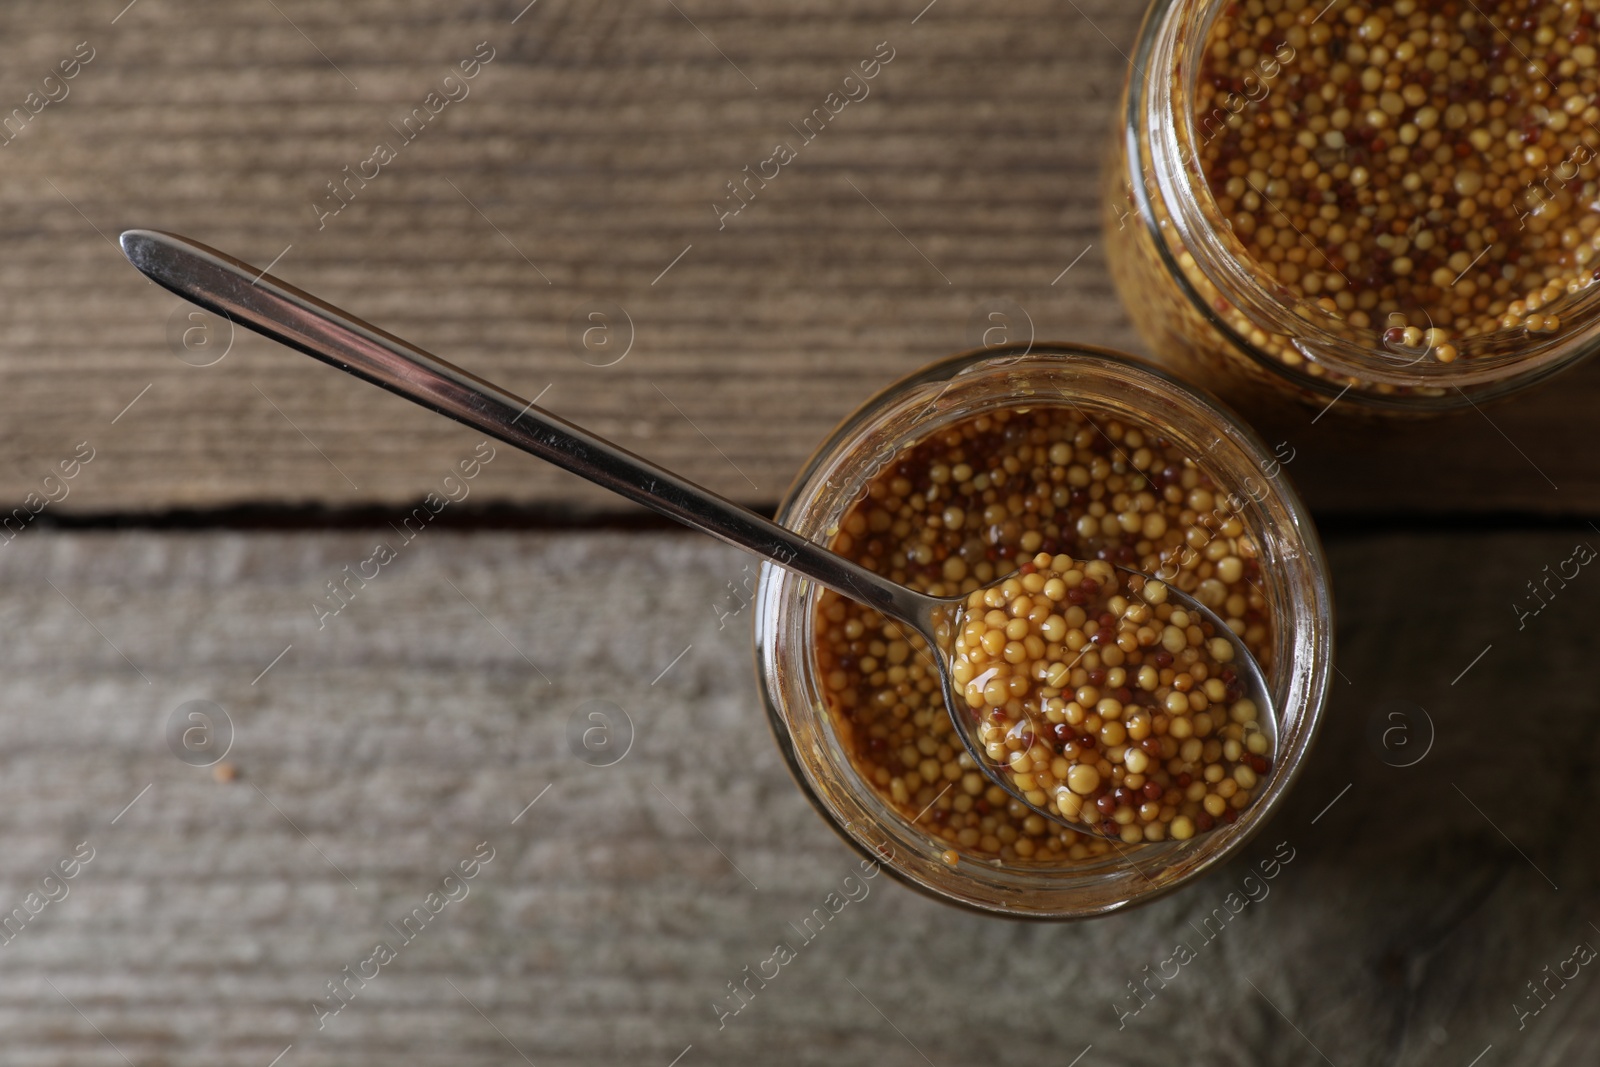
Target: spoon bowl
point(1166, 694)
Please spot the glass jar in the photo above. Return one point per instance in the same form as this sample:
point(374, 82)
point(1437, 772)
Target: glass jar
point(1209, 309)
point(1103, 385)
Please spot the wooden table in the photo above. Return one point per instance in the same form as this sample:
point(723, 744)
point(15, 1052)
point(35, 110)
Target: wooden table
point(576, 175)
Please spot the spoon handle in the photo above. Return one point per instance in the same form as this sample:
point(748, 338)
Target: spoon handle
point(257, 300)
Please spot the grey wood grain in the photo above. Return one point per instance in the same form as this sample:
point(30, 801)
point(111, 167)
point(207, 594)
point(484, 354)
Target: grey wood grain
point(421, 720)
point(584, 161)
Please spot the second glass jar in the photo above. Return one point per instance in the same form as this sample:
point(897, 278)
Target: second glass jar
point(1386, 131)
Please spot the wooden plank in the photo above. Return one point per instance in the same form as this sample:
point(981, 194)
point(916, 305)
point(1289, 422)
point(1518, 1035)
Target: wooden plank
point(583, 164)
point(427, 716)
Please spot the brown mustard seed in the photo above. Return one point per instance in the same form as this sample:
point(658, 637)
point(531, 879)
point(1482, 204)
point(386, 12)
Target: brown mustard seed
point(971, 503)
point(1427, 171)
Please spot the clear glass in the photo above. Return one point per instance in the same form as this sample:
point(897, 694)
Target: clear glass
point(1206, 309)
point(1101, 384)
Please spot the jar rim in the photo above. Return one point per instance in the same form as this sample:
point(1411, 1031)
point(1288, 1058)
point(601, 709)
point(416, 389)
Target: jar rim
point(1160, 133)
point(807, 735)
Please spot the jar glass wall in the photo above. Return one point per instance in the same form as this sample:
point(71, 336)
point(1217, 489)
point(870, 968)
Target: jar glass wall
point(1290, 194)
point(1106, 388)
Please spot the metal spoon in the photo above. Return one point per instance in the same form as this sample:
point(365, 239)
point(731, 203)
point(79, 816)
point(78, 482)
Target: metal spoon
point(263, 303)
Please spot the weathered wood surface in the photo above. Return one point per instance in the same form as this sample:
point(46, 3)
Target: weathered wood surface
point(582, 165)
point(427, 715)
